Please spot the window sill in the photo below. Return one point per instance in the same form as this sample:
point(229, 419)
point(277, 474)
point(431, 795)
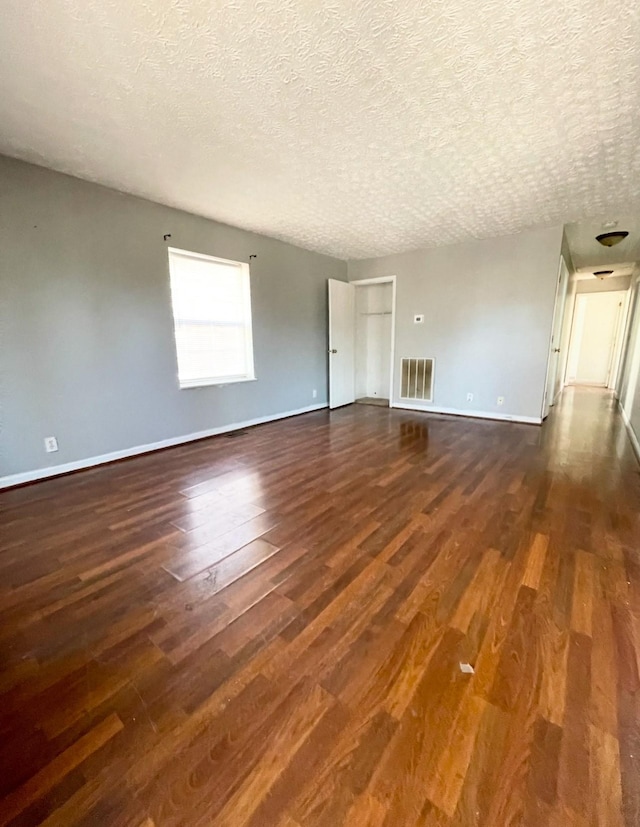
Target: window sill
point(216, 383)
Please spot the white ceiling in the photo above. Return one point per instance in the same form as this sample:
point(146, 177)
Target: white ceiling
point(588, 255)
point(354, 128)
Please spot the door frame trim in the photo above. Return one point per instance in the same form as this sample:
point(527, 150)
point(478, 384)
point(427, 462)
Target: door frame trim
point(622, 336)
point(386, 280)
point(547, 403)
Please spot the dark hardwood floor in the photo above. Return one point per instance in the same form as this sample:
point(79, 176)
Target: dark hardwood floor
point(267, 629)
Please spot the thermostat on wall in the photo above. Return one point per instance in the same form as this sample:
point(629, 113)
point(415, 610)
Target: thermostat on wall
point(419, 319)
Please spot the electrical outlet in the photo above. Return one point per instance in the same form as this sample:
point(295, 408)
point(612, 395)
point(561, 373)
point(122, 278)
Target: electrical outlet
point(501, 400)
point(469, 397)
point(314, 393)
point(50, 444)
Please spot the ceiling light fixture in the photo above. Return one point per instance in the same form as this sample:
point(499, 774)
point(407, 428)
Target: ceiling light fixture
point(602, 273)
point(611, 239)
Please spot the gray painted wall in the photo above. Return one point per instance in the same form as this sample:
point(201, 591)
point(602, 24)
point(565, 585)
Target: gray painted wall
point(488, 309)
point(86, 333)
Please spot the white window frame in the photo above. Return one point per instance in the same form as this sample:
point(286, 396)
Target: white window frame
point(203, 382)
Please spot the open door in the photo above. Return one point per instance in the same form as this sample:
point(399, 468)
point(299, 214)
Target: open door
point(341, 343)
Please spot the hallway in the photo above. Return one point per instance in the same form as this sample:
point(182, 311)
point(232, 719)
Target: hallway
point(268, 629)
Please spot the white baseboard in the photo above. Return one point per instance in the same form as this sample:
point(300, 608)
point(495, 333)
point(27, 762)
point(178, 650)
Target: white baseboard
point(529, 420)
point(632, 434)
point(78, 465)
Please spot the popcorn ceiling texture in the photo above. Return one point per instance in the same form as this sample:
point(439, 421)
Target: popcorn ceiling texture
point(357, 128)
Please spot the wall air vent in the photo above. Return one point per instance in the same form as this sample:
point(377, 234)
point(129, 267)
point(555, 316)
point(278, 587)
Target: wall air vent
point(417, 379)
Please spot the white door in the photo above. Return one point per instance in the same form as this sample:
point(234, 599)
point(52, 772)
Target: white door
point(593, 336)
point(553, 384)
point(341, 343)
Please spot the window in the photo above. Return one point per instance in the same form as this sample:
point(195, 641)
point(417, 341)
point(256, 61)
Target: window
point(211, 301)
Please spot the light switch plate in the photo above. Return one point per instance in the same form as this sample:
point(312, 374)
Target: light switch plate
point(50, 444)
point(418, 318)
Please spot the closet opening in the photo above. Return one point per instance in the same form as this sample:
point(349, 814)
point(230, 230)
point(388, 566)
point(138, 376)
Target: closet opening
point(374, 323)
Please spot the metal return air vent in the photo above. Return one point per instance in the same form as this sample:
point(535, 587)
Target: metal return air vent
point(417, 379)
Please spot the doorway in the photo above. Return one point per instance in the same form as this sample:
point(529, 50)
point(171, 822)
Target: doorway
point(373, 311)
point(361, 339)
point(595, 334)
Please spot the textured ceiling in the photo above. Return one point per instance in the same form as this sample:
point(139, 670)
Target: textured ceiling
point(355, 128)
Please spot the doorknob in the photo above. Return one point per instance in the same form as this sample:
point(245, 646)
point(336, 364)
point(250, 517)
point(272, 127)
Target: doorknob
point(333, 350)
point(556, 350)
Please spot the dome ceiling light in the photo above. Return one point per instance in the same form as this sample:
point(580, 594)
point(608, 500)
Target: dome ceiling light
point(602, 274)
point(611, 239)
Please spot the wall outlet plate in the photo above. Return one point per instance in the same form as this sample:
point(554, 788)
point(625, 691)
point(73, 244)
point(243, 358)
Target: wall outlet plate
point(314, 393)
point(469, 397)
point(501, 400)
point(418, 318)
point(50, 444)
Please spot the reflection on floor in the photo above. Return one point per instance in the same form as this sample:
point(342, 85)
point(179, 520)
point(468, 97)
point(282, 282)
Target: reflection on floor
point(268, 630)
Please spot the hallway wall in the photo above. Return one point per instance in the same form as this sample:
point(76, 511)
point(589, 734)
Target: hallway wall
point(629, 393)
point(594, 285)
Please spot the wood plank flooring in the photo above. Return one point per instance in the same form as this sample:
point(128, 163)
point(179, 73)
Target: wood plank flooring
point(267, 629)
